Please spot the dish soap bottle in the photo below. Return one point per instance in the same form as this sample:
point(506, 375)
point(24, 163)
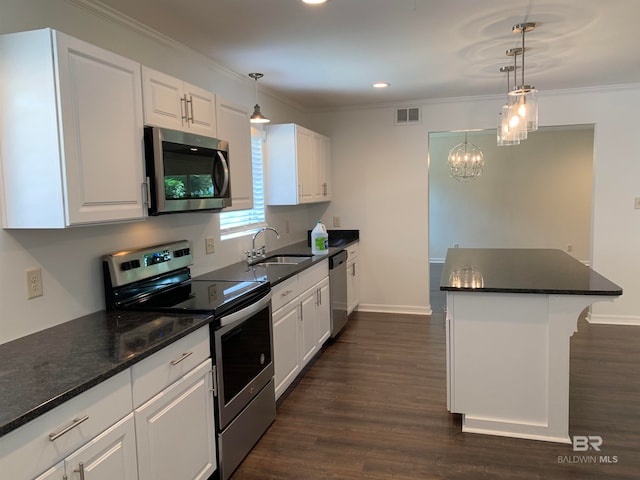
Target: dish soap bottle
point(319, 239)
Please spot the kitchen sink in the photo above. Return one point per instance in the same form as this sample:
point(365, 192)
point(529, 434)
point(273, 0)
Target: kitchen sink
point(283, 260)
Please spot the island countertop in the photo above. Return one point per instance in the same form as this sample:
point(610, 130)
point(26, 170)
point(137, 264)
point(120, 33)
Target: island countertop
point(544, 271)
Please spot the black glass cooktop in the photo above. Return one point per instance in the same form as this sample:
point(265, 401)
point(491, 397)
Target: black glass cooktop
point(196, 296)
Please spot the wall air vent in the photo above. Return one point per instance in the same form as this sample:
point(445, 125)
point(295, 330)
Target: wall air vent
point(408, 116)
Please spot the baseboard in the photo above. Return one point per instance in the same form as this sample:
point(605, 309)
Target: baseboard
point(402, 309)
point(600, 319)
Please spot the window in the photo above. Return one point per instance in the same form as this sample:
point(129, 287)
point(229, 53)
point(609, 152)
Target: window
point(242, 222)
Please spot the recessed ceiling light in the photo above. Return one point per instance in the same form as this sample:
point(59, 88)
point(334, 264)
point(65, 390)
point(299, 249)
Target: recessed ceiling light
point(381, 85)
point(314, 2)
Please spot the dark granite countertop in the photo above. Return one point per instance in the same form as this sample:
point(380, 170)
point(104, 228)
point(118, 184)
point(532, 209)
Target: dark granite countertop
point(546, 271)
point(43, 370)
point(274, 273)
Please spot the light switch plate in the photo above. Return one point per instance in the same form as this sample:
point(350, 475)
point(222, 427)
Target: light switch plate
point(637, 203)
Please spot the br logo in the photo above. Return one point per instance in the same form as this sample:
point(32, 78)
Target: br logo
point(582, 443)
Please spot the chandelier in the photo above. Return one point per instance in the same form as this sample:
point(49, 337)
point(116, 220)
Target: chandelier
point(466, 161)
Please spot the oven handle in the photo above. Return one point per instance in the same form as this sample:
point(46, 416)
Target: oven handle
point(236, 318)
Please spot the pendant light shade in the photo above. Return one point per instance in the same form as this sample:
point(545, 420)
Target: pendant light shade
point(466, 161)
point(257, 116)
point(510, 130)
point(523, 96)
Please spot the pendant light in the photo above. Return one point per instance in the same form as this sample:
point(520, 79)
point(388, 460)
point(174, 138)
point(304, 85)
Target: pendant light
point(466, 161)
point(257, 116)
point(523, 96)
point(507, 133)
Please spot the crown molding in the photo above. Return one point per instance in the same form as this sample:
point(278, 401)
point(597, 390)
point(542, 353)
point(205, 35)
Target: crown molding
point(99, 9)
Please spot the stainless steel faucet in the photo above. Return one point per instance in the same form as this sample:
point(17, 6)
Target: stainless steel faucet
point(262, 250)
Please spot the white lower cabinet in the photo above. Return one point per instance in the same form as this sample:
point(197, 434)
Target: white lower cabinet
point(308, 340)
point(76, 426)
point(54, 473)
point(112, 454)
point(323, 317)
point(353, 278)
point(301, 322)
point(153, 421)
point(286, 348)
point(175, 430)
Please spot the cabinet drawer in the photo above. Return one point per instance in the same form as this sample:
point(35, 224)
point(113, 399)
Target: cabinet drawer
point(312, 275)
point(29, 451)
point(284, 292)
point(161, 369)
point(352, 251)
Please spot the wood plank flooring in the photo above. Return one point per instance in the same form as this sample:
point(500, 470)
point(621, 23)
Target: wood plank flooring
point(373, 406)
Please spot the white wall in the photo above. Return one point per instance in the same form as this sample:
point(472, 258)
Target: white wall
point(380, 171)
point(69, 259)
point(535, 195)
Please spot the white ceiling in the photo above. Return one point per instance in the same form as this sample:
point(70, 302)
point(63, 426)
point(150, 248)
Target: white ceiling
point(327, 56)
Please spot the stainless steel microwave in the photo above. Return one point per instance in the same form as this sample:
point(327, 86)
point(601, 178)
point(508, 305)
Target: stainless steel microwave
point(186, 172)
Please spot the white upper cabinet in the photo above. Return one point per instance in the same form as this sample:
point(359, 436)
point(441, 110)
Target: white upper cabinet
point(297, 165)
point(72, 132)
point(172, 103)
point(235, 127)
point(322, 166)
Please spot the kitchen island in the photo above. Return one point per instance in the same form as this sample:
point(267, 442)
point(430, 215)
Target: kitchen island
point(510, 316)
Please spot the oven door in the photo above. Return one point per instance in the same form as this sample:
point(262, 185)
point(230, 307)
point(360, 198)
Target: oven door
point(243, 349)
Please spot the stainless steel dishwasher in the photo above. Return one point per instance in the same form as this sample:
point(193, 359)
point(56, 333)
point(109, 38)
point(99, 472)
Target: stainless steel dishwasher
point(338, 290)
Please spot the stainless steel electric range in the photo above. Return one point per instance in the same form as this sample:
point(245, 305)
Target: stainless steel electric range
point(158, 278)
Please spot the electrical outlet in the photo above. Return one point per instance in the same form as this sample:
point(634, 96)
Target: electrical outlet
point(569, 248)
point(456, 245)
point(336, 220)
point(34, 283)
point(209, 245)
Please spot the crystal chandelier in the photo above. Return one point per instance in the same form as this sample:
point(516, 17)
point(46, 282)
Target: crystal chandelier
point(466, 161)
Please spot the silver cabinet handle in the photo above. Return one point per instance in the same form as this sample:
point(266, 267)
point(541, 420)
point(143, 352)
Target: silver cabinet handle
point(80, 470)
point(190, 106)
point(76, 421)
point(178, 360)
point(354, 270)
point(286, 293)
point(183, 109)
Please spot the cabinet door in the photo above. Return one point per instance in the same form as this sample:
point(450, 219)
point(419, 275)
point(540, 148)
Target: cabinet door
point(164, 102)
point(308, 338)
point(110, 455)
point(200, 110)
point(323, 316)
point(101, 109)
point(286, 350)
point(304, 159)
point(176, 431)
point(54, 473)
point(235, 127)
point(322, 168)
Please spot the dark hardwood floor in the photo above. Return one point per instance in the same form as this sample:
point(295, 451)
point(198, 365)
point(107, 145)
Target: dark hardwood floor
point(373, 406)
